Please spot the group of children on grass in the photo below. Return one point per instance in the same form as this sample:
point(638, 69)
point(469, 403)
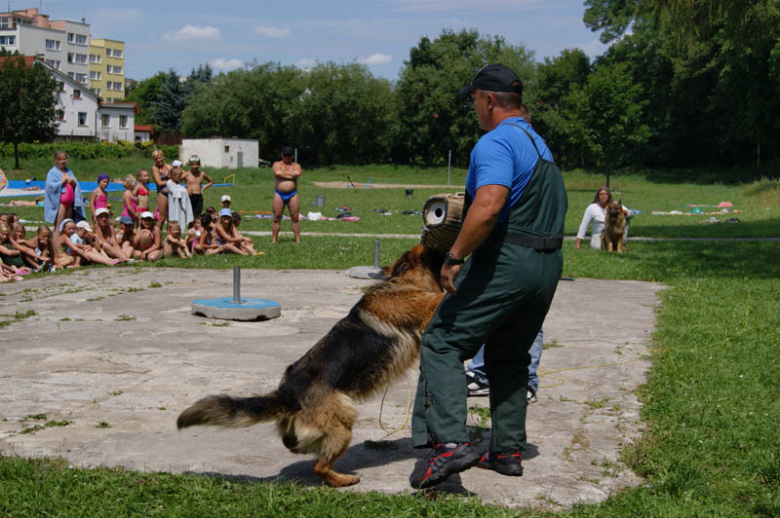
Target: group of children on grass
point(139, 235)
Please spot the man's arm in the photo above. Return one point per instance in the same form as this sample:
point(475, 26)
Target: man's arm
point(286, 175)
point(480, 220)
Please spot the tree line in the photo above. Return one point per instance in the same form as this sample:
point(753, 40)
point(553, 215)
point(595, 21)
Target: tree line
point(681, 84)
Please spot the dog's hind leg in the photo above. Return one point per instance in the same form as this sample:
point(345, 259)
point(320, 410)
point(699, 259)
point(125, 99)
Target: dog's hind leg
point(336, 424)
point(334, 447)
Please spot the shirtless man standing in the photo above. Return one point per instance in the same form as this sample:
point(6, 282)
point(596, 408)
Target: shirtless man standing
point(286, 174)
point(194, 180)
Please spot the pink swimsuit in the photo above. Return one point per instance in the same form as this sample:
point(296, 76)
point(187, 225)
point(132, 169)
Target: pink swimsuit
point(101, 201)
point(68, 195)
point(133, 205)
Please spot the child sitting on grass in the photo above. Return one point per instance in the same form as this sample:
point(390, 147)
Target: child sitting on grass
point(205, 243)
point(44, 246)
point(246, 242)
point(174, 244)
point(106, 236)
point(73, 249)
point(31, 258)
point(193, 234)
point(127, 226)
point(224, 234)
point(147, 242)
point(11, 256)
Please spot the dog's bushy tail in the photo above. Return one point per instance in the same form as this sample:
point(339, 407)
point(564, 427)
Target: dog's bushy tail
point(232, 412)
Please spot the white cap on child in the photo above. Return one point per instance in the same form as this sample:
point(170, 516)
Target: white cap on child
point(226, 198)
point(101, 210)
point(146, 214)
point(176, 163)
point(84, 224)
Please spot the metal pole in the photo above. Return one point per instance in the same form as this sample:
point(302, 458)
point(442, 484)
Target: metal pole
point(296, 155)
point(449, 167)
point(376, 253)
point(236, 285)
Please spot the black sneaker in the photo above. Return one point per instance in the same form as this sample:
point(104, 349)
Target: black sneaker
point(504, 463)
point(475, 385)
point(442, 462)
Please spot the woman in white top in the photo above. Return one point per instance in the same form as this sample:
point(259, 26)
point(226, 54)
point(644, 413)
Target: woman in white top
point(596, 213)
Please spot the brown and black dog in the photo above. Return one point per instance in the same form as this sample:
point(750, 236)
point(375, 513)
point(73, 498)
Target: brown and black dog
point(314, 406)
point(614, 228)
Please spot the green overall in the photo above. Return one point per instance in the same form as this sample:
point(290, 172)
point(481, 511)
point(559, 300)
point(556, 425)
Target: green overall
point(504, 291)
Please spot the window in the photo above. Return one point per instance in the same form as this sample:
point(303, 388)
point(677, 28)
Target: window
point(52, 45)
point(71, 75)
point(7, 40)
point(53, 63)
point(61, 115)
point(71, 37)
point(118, 87)
point(110, 100)
point(108, 53)
point(95, 58)
point(105, 120)
point(95, 76)
point(109, 85)
point(227, 149)
point(81, 58)
point(4, 23)
point(70, 57)
point(76, 94)
point(123, 121)
point(108, 69)
point(96, 90)
point(117, 70)
point(82, 118)
point(81, 39)
point(81, 78)
point(117, 53)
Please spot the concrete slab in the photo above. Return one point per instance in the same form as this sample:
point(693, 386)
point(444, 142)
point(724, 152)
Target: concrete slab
point(226, 308)
point(120, 357)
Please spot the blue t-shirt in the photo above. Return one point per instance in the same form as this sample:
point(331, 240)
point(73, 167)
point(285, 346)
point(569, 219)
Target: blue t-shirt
point(505, 156)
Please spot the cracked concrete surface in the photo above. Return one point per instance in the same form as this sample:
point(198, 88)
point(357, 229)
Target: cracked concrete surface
point(120, 359)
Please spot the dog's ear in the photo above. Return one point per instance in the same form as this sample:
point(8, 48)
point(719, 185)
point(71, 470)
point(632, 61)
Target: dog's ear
point(620, 202)
point(400, 266)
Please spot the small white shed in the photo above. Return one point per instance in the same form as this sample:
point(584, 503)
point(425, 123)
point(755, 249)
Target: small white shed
point(229, 153)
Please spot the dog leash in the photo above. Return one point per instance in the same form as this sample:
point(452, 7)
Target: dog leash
point(408, 407)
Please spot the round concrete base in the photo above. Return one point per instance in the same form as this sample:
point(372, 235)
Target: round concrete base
point(366, 272)
point(248, 309)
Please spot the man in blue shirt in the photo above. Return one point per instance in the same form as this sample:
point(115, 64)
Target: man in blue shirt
point(500, 276)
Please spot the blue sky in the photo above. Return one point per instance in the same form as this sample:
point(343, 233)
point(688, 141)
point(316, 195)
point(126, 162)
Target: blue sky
point(227, 35)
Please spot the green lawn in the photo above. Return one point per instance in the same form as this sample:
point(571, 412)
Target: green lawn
point(711, 445)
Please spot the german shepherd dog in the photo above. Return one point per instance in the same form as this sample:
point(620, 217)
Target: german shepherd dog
point(314, 406)
point(614, 228)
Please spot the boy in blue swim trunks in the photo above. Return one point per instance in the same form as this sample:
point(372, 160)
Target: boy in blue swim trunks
point(286, 173)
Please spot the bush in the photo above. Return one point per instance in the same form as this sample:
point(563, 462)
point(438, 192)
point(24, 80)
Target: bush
point(86, 150)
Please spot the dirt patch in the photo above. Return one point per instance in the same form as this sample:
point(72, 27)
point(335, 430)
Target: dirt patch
point(345, 185)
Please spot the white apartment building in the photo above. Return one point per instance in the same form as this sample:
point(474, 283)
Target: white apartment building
point(62, 44)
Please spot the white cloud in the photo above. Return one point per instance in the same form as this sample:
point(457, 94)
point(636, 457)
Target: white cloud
point(375, 59)
point(306, 64)
point(594, 48)
point(272, 32)
point(226, 64)
point(193, 32)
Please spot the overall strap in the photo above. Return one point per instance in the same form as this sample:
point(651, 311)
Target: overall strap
point(526, 132)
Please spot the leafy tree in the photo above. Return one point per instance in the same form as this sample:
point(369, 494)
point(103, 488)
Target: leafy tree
point(552, 113)
point(146, 93)
point(433, 118)
point(28, 103)
point(607, 116)
point(170, 103)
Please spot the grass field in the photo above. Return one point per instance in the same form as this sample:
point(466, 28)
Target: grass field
point(757, 202)
point(710, 406)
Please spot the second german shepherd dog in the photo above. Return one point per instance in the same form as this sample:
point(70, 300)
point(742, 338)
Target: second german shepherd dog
point(614, 228)
point(314, 406)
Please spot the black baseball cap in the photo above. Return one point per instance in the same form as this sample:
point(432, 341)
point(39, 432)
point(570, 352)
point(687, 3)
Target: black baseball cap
point(494, 78)
point(287, 150)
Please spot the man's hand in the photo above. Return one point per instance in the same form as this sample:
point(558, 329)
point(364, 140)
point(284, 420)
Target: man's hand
point(448, 275)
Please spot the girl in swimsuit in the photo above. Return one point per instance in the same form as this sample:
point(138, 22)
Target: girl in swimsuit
point(147, 242)
point(129, 203)
point(160, 175)
point(99, 198)
point(44, 247)
point(205, 245)
point(141, 192)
